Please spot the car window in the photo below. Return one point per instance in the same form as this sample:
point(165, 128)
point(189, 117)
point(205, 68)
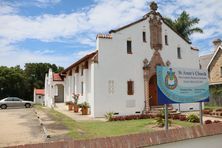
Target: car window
point(9, 99)
point(16, 99)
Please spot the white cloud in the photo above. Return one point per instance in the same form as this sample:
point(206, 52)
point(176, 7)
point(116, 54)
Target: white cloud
point(83, 25)
point(110, 14)
point(80, 54)
point(20, 57)
point(5, 9)
point(44, 28)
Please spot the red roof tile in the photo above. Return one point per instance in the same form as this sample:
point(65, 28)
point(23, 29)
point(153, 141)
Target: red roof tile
point(40, 92)
point(57, 77)
point(88, 56)
point(104, 36)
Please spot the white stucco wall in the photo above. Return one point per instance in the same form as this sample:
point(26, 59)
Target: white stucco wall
point(115, 64)
point(51, 89)
point(39, 99)
point(73, 85)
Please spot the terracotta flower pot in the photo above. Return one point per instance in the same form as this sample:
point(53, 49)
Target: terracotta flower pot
point(70, 107)
point(85, 111)
point(76, 108)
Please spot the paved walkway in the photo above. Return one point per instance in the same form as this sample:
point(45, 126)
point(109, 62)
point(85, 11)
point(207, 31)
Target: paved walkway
point(19, 126)
point(54, 129)
point(61, 107)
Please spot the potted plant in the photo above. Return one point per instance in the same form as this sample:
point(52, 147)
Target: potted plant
point(76, 107)
point(85, 106)
point(70, 105)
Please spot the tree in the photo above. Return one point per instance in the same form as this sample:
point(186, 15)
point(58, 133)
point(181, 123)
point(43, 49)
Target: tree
point(13, 82)
point(35, 73)
point(17, 82)
point(184, 25)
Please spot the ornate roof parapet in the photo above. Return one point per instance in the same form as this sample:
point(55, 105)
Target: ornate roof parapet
point(153, 6)
point(155, 21)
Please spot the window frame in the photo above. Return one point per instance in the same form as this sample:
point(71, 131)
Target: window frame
point(129, 47)
point(166, 40)
point(111, 87)
point(220, 71)
point(130, 87)
point(81, 72)
point(179, 53)
point(82, 88)
point(144, 36)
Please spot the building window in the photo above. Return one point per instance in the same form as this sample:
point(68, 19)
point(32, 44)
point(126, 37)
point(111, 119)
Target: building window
point(221, 71)
point(40, 97)
point(111, 87)
point(179, 53)
point(166, 40)
point(82, 70)
point(74, 85)
point(130, 87)
point(200, 66)
point(144, 36)
point(129, 47)
point(82, 89)
point(56, 90)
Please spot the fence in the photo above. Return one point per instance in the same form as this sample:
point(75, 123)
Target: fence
point(135, 140)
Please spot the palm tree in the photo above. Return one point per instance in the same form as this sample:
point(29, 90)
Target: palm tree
point(184, 25)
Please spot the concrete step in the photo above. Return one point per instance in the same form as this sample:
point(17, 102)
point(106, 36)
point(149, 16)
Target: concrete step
point(159, 108)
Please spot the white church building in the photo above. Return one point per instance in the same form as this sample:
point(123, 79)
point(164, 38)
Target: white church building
point(120, 75)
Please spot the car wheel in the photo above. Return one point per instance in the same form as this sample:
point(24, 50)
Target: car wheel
point(27, 105)
point(3, 106)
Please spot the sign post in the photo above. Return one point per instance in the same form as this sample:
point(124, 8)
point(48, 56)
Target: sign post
point(166, 116)
point(201, 114)
point(180, 85)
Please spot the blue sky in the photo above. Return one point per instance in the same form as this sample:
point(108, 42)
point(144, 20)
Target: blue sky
point(62, 31)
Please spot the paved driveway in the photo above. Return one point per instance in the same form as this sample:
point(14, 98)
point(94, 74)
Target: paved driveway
point(19, 126)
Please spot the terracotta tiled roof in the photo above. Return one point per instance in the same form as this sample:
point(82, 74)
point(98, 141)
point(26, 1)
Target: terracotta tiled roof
point(104, 36)
point(83, 59)
point(40, 92)
point(57, 77)
point(193, 48)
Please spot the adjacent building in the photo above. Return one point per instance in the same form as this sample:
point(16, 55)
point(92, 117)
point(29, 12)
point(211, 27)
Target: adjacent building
point(120, 75)
point(54, 89)
point(39, 96)
point(213, 63)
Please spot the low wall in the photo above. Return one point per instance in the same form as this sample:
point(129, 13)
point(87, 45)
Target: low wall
point(135, 140)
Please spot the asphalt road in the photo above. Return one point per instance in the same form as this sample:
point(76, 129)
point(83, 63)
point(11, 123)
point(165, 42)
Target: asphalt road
point(19, 126)
point(204, 142)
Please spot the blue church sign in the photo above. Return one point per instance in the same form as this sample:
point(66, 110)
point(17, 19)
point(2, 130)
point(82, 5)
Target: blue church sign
point(178, 85)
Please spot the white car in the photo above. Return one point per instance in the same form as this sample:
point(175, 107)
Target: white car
point(14, 102)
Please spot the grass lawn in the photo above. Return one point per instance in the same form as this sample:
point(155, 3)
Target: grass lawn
point(93, 129)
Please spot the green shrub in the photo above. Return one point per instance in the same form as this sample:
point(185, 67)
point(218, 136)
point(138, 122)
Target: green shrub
point(109, 116)
point(160, 120)
point(193, 118)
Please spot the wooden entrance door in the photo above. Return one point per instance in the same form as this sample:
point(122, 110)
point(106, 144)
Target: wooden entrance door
point(153, 91)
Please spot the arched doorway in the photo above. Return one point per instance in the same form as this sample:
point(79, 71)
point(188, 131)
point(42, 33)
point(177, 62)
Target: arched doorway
point(153, 91)
point(59, 97)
